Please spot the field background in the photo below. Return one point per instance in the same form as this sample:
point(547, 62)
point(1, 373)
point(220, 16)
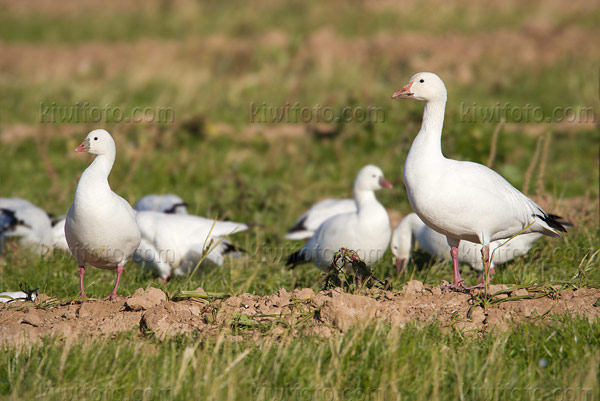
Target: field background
point(208, 61)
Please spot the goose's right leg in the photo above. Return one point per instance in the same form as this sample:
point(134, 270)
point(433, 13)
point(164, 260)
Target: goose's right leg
point(81, 273)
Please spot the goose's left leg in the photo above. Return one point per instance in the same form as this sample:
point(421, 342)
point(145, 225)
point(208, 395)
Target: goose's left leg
point(113, 293)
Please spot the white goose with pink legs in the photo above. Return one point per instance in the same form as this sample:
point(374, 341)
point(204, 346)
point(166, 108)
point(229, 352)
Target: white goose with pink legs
point(100, 227)
point(459, 199)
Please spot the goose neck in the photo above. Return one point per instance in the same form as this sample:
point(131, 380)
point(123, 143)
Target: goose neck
point(364, 198)
point(430, 135)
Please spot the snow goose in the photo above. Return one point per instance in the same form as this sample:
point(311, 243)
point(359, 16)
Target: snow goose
point(100, 227)
point(412, 228)
point(462, 200)
point(310, 220)
point(173, 243)
point(21, 218)
point(168, 203)
point(59, 241)
point(366, 230)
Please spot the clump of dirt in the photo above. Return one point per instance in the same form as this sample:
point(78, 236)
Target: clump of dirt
point(302, 311)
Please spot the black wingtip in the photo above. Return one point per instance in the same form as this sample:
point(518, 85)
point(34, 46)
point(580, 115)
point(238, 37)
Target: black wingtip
point(230, 248)
point(293, 260)
point(554, 221)
point(560, 220)
point(173, 208)
point(299, 226)
point(9, 220)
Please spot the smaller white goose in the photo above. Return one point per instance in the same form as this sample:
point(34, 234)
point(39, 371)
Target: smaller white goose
point(412, 228)
point(462, 200)
point(310, 220)
point(167, 203)
point(366, 230)
point(100, 227)
point(174, 243)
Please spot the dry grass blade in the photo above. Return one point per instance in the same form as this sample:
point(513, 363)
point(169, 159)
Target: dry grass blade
point(540, 182)
point(531, 166)
point(494, 144)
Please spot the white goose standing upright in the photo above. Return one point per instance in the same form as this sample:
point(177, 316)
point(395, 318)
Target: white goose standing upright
point(100, 227)
point(462, 200)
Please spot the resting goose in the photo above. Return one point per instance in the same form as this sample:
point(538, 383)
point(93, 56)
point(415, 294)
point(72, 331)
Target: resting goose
point(168, 203)
point(366, 231)
point(174, 243)
point(32, 225)
point(310, 220)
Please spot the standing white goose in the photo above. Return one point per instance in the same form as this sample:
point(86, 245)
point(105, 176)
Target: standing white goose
point(412, 228)
point(367, 231)
point(462, 200)
point(100, 227)
point(310, 220)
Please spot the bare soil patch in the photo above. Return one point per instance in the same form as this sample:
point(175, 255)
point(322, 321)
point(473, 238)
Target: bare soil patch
point(323, 314)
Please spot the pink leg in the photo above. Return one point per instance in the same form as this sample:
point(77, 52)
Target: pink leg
point(113, 293)
point(458, 281)
point(81, 273)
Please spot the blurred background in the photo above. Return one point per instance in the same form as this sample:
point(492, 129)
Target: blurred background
point(191, 74)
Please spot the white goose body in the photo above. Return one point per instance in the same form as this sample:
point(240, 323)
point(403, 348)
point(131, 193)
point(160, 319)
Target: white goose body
point(100, 227)
point(167, 203)
point(21, 218)
point(366, 231)
point(310, 220)
point(173, 243)
point(462, 200)
point(412, 228)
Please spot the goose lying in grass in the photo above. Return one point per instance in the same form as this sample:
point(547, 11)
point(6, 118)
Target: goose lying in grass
point(366, 230)
point(33, 227)
point(310, 220)
point(168, 203)
point(173, 243)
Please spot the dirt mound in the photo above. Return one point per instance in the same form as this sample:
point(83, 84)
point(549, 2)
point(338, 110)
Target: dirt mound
point(324, 313)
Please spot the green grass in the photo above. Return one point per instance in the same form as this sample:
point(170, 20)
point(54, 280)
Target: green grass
point(269, 182)
point(373, 362)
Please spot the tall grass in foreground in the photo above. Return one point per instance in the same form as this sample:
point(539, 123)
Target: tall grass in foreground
point(557, 361)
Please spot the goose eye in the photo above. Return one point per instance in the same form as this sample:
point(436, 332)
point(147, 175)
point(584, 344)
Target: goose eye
point(95, 138)
point(421, 81)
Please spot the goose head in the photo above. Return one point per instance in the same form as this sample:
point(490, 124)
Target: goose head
point(425, 86)
point(370, 178)
point(401, 244)
point(98, 142)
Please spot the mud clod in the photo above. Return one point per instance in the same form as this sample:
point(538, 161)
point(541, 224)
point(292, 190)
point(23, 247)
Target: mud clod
point(322, 314)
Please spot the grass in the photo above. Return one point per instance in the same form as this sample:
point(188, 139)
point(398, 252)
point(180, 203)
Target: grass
point(373, 362)
point(207, 61)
